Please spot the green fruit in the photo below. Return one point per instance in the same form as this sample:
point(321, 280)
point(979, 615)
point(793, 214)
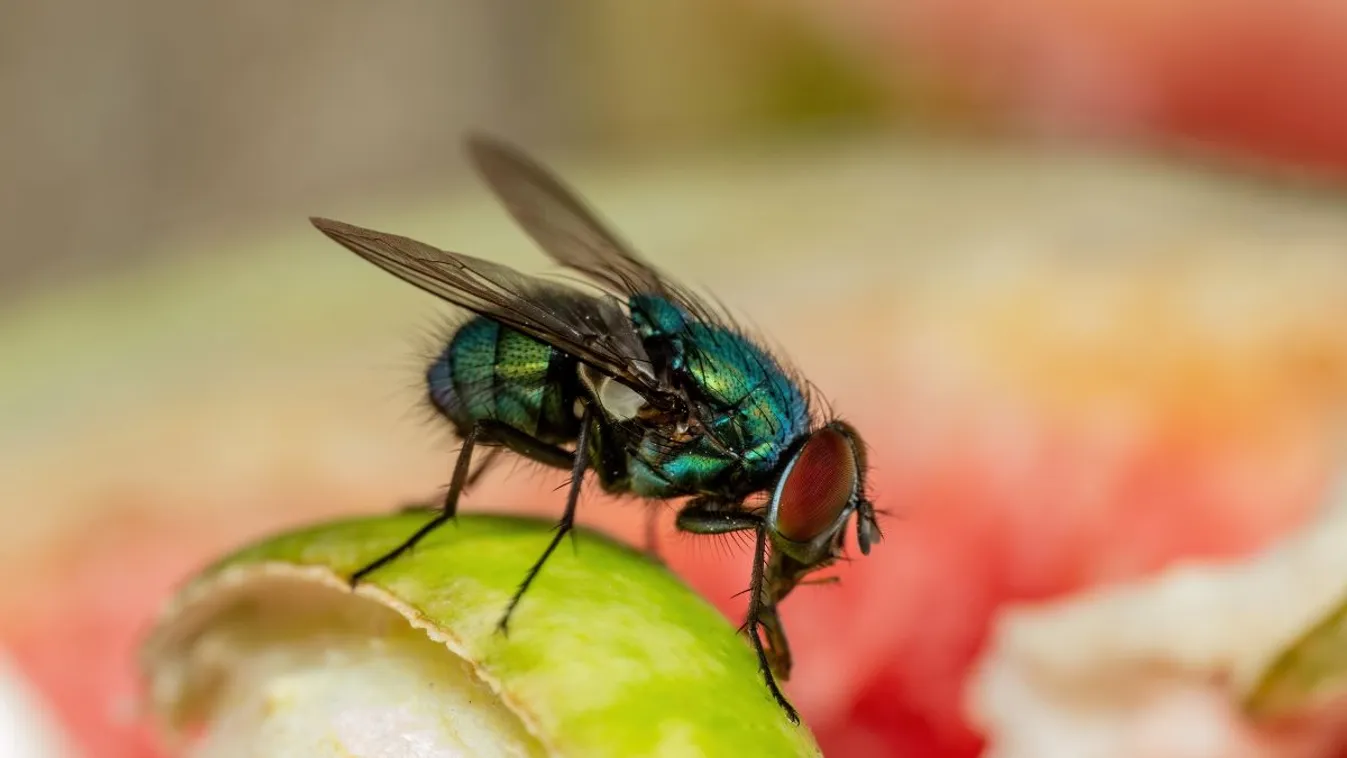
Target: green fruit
point(609, 654)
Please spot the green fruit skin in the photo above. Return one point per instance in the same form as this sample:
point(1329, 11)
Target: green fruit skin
point(608, 654)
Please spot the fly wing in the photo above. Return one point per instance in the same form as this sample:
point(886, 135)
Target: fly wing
point(594, 330)
point(564, 226)
point(559, 221)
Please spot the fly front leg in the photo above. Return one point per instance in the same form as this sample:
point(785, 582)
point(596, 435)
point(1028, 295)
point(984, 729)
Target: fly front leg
point(567, 522)
point(756, 613)
point(779, 653)
point(483, 432)
point(702, 516)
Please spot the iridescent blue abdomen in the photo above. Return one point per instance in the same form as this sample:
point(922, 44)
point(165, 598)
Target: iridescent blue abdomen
point(492, 372)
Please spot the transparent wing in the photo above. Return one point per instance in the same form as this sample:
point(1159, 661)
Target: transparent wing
point(594, 330)
point(560, 222)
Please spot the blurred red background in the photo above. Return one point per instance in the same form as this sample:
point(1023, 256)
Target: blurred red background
point(1056, 427)
point(1249, 80)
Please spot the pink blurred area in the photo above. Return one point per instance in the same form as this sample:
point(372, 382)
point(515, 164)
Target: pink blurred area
point(994, 497)
point(1259, 80)
point(1014, 467)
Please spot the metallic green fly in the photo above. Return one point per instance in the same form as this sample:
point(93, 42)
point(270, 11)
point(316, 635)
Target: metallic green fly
point(641, 382)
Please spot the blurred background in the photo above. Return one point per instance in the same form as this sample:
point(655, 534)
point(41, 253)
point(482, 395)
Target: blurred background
point(131, 127)
point(1076, 271)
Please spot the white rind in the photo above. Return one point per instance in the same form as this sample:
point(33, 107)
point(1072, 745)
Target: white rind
point(1160, 668)
point(310, 669)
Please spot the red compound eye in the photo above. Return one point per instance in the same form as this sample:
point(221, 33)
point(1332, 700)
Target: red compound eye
point(818, 485)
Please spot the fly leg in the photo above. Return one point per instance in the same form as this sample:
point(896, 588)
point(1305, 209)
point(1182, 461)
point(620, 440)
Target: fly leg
point(754, 622)
point(776, 640)
point(567, 522)
point(652, 534)
point(483, 432)
point(703, 517)
point(447, 510)
point(783, 574)
point(491, 456)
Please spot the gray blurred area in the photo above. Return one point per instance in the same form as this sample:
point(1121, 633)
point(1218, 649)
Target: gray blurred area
point(133, 128)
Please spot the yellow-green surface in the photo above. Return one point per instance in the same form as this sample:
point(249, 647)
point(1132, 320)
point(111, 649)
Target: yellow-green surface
point(609, 654)
point(1312, 671)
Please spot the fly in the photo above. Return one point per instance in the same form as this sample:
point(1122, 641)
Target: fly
point(641, 382)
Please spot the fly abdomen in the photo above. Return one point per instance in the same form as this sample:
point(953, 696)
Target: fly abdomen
point(492, 372)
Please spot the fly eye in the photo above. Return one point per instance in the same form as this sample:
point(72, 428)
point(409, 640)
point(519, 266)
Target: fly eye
point(818, 485)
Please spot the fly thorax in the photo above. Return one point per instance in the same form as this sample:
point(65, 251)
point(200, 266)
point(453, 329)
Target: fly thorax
point(660, 323)
point(654, 315)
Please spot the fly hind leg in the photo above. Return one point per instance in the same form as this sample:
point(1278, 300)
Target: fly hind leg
point(484, 433)
point(567, 522)
point(492, 455)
